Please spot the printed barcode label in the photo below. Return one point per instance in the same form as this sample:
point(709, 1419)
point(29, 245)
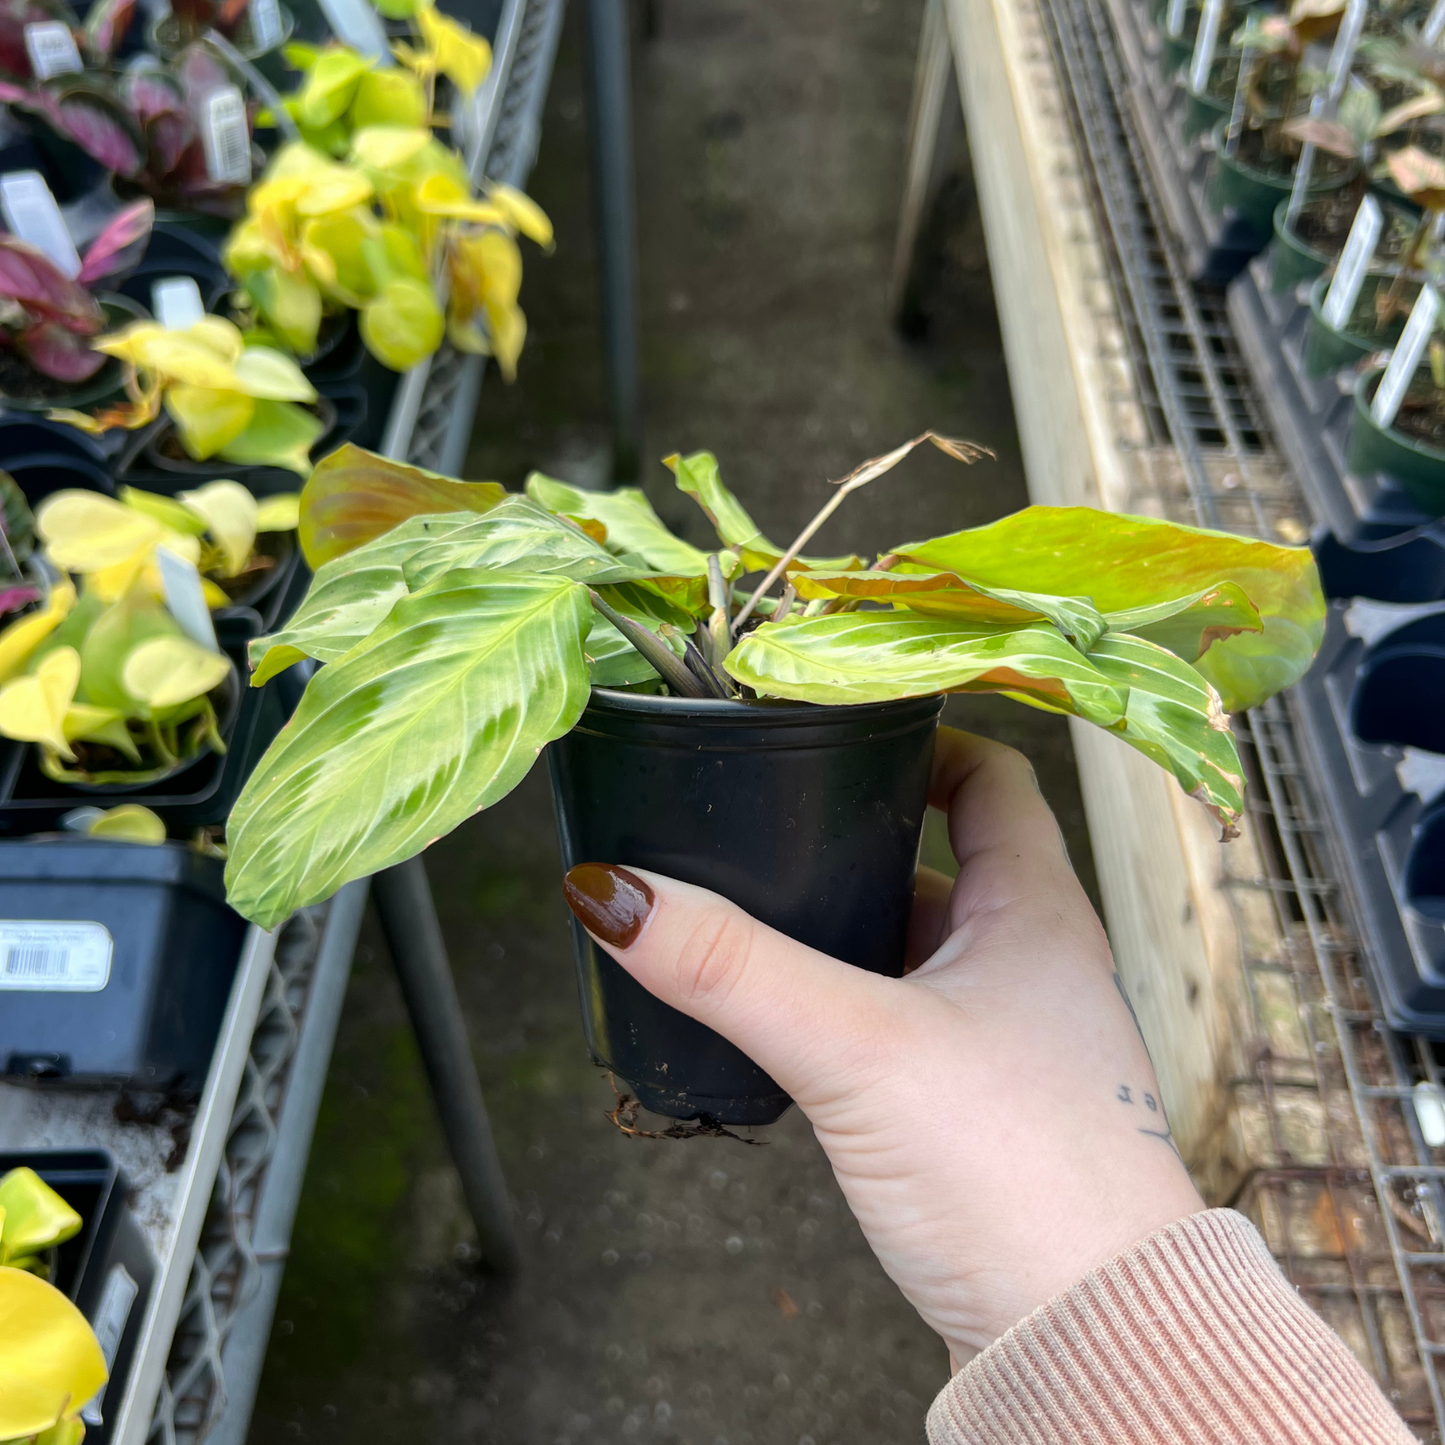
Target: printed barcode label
point(39, 956)
point(31, 213)
point(226, 139)
point(265, 23)
point(51, 48)
point(109, 1325)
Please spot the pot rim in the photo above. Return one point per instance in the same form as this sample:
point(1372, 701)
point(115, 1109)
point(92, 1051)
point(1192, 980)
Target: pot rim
point(1283, 183)
point(1317, 301)
point(1364, 390)
point(779, 711)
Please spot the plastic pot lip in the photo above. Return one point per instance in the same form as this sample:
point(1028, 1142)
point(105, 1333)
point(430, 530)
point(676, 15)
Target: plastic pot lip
point(1364, 391)
point(1262, 178)
point(764, 714)
point(1318, 288)
point(105, 380)
point(1287, 237)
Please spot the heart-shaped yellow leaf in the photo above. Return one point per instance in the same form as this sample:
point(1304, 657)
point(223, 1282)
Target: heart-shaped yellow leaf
point(229, 512)
point(85, 531)
point(26, 633)
point(129, 822)
point(35, 1216)
point(270, 376)
point(207, 419)
point(165, 510)
point(280, 513)
point(522, 212)
point(33, 707)
point(170, 670)
point(84, 722)
point(50, 1362)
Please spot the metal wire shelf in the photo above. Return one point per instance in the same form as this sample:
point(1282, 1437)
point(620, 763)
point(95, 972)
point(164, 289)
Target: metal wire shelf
point(1336, 1170)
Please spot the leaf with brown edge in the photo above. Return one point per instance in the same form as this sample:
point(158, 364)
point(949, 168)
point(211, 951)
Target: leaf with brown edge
point(1121, 563)
point(1325, 135)
point(1420, 175)
point(354, 495)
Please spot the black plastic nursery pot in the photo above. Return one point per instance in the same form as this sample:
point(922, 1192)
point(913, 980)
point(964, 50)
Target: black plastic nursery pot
point(107, 1269)
point(1416, 466)
point(116, 962)
point(807, 817)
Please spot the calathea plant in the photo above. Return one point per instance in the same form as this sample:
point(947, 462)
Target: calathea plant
point(47, 319)
point(463, 628)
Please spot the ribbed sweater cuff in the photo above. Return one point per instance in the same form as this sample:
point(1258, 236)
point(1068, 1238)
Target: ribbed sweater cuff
point(1192, 1336)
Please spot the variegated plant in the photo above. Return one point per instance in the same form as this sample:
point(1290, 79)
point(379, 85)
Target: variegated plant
point(463, 628)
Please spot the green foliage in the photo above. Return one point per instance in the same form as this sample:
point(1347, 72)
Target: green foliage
point(462, 629)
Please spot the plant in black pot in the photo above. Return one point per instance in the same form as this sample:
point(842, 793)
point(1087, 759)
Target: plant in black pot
point(769, 741)
point(49, 319)
point(51, 1364)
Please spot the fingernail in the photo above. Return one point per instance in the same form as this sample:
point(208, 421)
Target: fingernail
point(612, 903)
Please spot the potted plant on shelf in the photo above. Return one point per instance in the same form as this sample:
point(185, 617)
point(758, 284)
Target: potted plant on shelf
point(371, 235)
point(254, 29)
point(1252, 168)
point(51, 1363)
point(48, 320)
point(772, 742)
point(1411, 449)
point(250, 405)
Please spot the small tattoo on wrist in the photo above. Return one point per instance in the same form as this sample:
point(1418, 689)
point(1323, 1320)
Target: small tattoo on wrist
point(1157, 1127)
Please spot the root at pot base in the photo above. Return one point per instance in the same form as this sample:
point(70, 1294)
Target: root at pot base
point(806, 817)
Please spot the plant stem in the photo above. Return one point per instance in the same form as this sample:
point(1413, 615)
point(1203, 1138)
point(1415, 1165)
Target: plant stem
point(695, 662)
point(785, 603)
point(669, 666)
point(1385, 309)
point(860, 476)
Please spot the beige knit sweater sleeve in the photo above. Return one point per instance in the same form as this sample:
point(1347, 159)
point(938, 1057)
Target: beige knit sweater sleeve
point(1193, 1337)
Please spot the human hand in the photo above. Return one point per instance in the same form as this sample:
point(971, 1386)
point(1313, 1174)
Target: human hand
point(992, 1116)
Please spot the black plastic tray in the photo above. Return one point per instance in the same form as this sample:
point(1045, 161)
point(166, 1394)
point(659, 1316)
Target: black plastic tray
point(1312, 416)
point(199, 796)
point(98, 1268)
point(149, 1019)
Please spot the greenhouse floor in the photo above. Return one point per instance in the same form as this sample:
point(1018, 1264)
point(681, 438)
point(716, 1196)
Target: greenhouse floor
point(697, 1291)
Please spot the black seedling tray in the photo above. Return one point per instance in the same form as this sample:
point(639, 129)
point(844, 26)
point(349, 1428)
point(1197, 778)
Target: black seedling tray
point(1312, 416)
point(107, 1269)
point(116, 962)
point(200, 795)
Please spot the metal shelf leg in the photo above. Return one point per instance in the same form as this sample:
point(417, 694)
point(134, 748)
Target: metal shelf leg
point(608, 36)
point(413, 935)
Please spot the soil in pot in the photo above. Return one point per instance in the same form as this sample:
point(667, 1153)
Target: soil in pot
point(164, 449)
point(265, 570)
point(1253, 181)
point(807, 817)
point(1328, 348)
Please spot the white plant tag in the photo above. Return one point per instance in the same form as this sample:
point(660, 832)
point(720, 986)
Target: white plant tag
point(1354, 259)
point(1434, 24)
point(177, 302)
point(265, 23)
point(1205, 43)
point(356, 24)
point(51, 48)
point(1174, 18)
point(1342, 56)
point(109, 1325)
point(185, 598)
point(225, 137)
point(38, 956)
point(32, 215)
point(1406, 358)
point(1430, 1111)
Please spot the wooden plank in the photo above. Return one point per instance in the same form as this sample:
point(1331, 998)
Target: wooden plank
point(1156, 851)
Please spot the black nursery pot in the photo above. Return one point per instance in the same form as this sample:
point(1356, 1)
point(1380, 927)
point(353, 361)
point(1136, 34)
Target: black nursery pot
point(806, 817)
point(117, 962)
point(107, 1269)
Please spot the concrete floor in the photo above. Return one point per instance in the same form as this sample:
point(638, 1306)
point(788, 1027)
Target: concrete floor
point(696, 1291)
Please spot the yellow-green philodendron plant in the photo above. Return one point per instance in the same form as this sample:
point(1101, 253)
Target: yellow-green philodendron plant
point(463, 628)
